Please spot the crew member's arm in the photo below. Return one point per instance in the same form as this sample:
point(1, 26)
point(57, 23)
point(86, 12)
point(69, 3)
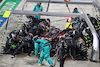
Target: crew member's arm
point(41, 9)
point(34, 8)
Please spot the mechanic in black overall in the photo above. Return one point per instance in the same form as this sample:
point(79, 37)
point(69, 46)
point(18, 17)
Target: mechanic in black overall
point(25, 42)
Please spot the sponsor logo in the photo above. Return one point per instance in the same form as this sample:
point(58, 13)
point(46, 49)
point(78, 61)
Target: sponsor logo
point(7, 6)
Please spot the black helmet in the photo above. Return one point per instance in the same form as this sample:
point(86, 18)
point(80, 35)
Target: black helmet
point(75, 10)
point(20, 32)
point(48, 19)
point(88, 30)
point(27, 24)
point(13, 36)
point(89, 15)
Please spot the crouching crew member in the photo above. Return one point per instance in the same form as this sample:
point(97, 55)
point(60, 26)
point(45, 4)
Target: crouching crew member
point(44, 47)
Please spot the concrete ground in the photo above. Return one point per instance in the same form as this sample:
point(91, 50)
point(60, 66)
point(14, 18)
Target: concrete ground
point(21, 61)
point(60, 22)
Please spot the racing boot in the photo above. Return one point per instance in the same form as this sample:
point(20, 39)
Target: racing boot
point(39, 65)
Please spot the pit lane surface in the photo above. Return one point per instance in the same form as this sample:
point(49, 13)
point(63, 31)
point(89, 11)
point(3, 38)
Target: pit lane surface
point(60, 22)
